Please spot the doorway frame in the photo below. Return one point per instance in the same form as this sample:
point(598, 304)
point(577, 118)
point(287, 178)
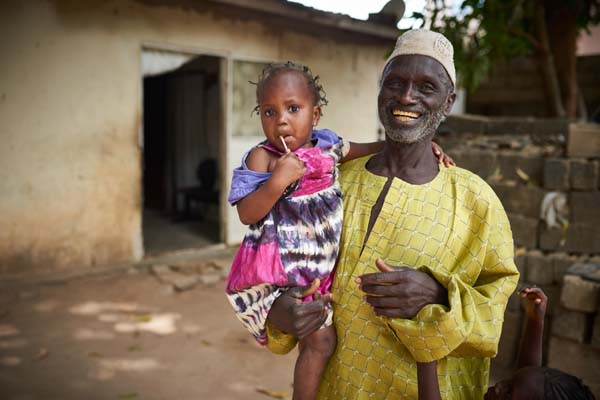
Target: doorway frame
point(235, 229)
point(225, 107)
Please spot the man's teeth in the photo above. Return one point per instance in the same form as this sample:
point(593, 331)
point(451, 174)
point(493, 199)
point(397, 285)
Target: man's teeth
point(405, 115)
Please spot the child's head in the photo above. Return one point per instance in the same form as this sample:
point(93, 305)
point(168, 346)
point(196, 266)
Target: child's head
point(540, 383)
point(289, 101)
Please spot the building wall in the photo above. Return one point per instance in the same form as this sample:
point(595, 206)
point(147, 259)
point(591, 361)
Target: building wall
point(516, 88)
point(527, 164)
point(588, 44)
point(70, 104)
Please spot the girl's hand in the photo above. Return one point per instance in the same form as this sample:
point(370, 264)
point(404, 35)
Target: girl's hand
point(441, 156)
point(535, 307)
point(288, 169)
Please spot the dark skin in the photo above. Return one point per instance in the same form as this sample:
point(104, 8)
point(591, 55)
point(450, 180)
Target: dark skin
point(288, 115)
point(416, 84)
point(527, 383)
point(288, 111)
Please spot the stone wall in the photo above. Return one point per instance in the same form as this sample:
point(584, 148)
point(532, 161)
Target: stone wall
point(524, 160)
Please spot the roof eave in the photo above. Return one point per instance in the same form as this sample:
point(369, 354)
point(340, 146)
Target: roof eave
point(310, 15)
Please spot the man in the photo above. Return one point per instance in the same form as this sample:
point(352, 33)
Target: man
point(444, 231)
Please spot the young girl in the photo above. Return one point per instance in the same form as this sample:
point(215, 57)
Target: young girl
point(531, 381)
point(287, 191)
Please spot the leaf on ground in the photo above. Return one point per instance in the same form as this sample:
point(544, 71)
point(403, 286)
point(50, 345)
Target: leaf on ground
point(206, 342)
point(135, 347)
point(273, 394)
point(42, 353)
point(95, 354)
point(128, 396)
point(143, 318)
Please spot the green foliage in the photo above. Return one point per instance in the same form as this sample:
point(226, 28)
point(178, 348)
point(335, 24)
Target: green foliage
point(485, 32)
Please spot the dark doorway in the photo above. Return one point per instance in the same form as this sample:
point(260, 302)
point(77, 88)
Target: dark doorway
point(181, 152)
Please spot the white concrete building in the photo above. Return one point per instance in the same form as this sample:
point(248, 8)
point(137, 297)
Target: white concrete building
point(107, 108)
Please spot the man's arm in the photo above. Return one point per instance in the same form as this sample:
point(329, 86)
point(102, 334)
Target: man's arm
point(401, 292)
point(470, 322)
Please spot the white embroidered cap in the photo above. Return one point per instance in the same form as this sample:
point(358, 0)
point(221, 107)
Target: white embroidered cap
point(426, 43)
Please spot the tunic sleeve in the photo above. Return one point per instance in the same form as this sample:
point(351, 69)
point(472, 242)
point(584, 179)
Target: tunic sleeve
point(279, 342)
point(472, 324)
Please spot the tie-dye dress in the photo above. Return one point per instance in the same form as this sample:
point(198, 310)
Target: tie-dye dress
point(296, 242)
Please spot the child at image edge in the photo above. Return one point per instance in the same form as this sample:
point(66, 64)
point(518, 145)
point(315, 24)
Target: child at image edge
point(287, 191)
point(531, 381)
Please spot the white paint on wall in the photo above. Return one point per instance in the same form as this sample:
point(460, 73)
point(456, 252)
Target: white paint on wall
point(156, 62)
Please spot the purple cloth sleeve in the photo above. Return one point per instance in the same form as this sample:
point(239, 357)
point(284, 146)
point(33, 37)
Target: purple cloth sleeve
point(246, 181)
point(325, 137)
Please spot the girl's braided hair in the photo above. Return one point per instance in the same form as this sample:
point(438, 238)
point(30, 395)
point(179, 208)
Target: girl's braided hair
point(559, 385)
point(275, 68)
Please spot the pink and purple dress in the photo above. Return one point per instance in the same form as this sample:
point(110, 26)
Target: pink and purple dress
point(296, 242)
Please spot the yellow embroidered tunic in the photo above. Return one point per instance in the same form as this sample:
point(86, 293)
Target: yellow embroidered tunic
point(454, 228)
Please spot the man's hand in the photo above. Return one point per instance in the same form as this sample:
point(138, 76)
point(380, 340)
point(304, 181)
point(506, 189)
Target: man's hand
point(400, 292)
point(298, 318)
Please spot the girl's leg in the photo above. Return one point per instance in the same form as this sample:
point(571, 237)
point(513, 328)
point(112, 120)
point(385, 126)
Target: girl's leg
point(315, 350)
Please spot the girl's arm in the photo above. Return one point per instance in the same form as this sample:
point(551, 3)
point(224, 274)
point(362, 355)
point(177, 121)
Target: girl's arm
point(427, 378)
point(357, 150)
point(530, 352)
point(286, 169)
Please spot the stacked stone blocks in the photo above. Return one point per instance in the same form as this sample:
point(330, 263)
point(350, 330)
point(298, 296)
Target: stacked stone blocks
point(522, 171)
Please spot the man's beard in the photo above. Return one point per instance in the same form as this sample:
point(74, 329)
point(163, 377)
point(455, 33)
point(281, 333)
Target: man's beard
point(429, 123)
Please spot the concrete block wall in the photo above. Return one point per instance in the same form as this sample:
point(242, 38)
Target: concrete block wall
point(516, 88)
point(523, 161)
point(574, 343)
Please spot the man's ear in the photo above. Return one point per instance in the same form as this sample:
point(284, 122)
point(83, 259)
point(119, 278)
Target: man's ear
point(449, 103)
point(316, 115)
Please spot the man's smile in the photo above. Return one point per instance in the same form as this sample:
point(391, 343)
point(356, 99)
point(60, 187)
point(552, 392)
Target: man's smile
point(405, 116)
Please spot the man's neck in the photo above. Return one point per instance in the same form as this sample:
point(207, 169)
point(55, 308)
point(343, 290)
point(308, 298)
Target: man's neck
point(412, 162)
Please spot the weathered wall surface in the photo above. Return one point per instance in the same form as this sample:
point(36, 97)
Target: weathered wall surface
point(70, 103)
point(516, 88)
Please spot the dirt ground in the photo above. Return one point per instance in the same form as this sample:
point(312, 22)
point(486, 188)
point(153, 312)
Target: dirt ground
point(129, 336)
point(160, 330)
